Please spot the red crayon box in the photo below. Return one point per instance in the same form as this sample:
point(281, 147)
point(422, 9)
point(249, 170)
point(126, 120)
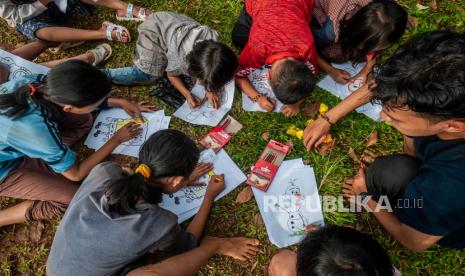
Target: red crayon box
point(267, 166)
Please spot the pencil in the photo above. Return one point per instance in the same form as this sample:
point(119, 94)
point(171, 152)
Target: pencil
point(226, 123)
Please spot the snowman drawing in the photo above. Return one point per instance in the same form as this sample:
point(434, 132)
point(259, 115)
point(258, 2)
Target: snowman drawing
point(294, 201)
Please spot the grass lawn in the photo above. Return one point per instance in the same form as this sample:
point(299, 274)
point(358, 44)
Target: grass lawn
point(24, 248)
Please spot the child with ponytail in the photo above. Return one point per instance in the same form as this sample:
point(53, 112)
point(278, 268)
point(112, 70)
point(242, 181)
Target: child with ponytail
point(40, 118)
point(114, 219)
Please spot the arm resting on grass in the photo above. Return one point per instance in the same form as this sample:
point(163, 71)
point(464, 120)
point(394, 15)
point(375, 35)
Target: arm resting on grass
point(410, 238)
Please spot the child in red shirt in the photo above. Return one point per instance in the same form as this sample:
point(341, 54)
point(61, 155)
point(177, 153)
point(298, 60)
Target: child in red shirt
point(281, 38)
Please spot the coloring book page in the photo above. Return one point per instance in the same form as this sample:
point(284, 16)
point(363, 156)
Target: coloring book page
point(291, 203)
point(342, 90)
point(109, 121)
point(259, 79)
point(19, 67)
point(186, 202)
point(206, 114)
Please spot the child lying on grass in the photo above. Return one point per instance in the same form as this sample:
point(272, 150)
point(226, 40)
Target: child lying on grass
point(281, 38)
point(41, 117)
point(114, 220)
point(178, 46)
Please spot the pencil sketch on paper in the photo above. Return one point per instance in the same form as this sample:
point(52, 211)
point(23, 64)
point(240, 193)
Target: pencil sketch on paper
point(260, 81)
point(292, 205)
point(208, 111)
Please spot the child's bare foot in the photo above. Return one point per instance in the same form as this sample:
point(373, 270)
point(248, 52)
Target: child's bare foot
point(238, 248)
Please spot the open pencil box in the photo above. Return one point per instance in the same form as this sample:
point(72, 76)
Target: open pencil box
point(220, 135)
point(267, 166)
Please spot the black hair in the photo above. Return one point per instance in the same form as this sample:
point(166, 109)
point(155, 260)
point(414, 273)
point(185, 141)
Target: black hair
point(74, 82)
point(167, 153)
point(213, 63)
point(427, 75)
point(292, 81)
point(340, 251)
point(371, 29)
point(22, 2)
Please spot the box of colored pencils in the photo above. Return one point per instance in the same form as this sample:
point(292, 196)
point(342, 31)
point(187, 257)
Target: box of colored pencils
point(216, 139)
point(230, 125)
point(220, 135)
point(267, 166)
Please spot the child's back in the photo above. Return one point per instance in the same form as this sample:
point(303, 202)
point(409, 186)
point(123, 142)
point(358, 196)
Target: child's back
point(165, 39)
point(279, 29)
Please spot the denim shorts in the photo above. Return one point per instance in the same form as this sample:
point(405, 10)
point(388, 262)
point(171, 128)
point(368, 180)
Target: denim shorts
point(324, 35)
point(52, 17)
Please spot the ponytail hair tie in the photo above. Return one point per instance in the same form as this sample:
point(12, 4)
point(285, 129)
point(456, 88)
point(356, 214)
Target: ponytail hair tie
point(33, 89)
point(144, 170)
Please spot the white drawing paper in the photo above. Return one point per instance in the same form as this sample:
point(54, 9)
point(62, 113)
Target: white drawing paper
point(109, 121)
point(206, 114)
point(62, 5)
point(259, 79)
point(19, 67)
point(186, 202)
point(342, 90)
point(291, 203)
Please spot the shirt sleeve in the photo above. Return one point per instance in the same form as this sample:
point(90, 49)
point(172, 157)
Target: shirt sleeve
point(176, 240)
point(12, 85)
point(245, 63)
point(20, 13)
point(432, 204)
point(36, 137)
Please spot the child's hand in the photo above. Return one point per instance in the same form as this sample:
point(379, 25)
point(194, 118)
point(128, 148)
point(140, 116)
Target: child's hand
point(213, 99)
point(200, 170)
point(315, 133)
point(266, 103)
point(340, 76)
point(193, 101)
point(215, 186)
point(134, 109)
point(127, 132)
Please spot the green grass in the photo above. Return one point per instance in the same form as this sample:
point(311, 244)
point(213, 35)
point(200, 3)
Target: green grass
point(229, 218)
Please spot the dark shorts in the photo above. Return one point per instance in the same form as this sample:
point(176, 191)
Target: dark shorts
point(52, 17)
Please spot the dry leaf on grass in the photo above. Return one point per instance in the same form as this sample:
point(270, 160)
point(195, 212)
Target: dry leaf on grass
point(245, 195)
point(412, 22)
point(266, 135)
point(353, 155)
point(312, 109)
point(216, 22)
point(372, 140)
point(257, 218)
point(325, 149)
point(35, 231)
point(434, 5)
point(290, 144)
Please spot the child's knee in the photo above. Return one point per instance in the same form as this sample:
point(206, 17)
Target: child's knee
point(283, 263)
point(45, 34)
